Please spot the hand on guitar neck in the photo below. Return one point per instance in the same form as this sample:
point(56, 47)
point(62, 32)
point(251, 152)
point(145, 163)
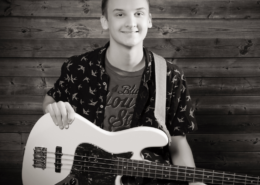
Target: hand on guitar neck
point(61, 113)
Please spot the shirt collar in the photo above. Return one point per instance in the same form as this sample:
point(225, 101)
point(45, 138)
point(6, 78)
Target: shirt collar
point(148, 61)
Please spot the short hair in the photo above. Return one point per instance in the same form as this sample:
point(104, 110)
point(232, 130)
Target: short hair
point(104, 7)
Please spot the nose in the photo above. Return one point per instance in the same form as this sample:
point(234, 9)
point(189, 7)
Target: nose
point(131, 22)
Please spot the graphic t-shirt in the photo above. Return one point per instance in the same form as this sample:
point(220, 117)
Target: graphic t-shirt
point(121, 98)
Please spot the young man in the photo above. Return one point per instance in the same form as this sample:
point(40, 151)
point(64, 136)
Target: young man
point(114, 86)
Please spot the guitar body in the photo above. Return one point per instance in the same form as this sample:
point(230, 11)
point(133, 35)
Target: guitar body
point(66, 157)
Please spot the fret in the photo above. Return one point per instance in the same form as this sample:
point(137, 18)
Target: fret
point(257, 180)
point(217, 177)
point(143, 169)
point(167, 168)
point(131, 168)
point(135, 168)
point(202, 175)
point(159, 170)
point(228, 178)
point(181, 173)
point(177, 174)
point(223, 178)
point(174, 173)
point(121, 166)
point(185, 173)
point(241, 179)
point(124, 166)
point(193, 180)
point(252, 180)
point(153, 170)
point(190, 174)
point(170, 171)
point(207, 176)
point(198, 175)
point(147, 168)
point(213, 177)
point(245, 179)
point(162, 171)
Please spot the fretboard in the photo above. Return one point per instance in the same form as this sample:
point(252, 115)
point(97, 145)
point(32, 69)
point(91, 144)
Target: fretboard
point(179, 173)
point(129, 167)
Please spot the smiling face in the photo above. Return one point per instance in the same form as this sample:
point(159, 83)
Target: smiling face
point(128, 21)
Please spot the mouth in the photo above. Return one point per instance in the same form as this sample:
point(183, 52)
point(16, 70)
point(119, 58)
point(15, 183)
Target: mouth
point(129, 31)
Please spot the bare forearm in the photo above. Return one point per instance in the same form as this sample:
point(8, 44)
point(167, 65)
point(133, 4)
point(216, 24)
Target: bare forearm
point(181, 153)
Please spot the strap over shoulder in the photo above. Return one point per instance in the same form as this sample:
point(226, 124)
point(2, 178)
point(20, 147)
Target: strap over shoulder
point(160, 99)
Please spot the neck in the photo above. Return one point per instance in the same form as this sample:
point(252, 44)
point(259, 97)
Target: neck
point(126, 58)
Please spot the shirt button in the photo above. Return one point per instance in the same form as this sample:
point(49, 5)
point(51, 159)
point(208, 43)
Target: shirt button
point(101, 106)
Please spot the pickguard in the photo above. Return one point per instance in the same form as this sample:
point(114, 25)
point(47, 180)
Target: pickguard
point(89, 157)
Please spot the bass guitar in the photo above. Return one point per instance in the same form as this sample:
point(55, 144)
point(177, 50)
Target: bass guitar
point(87, 154)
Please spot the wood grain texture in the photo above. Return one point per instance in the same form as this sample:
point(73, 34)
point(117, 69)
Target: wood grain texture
point(11, 159)
point(207, 124)
point(224, 86)
point(29, 105)
point(10, 141)
point(194, 67)
point(226, 105)
point(25, 85)
point(53, 28)
point(224, 142)
point(215, 42)
point(204, 105)
point(11, 176)
point(206, 9)
point(38, 86)
point(169, 48)
point(227, 124)
point(17, 123)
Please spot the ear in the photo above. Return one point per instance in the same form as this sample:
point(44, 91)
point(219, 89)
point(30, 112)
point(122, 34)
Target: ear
point(104, 22)
point(150, 25)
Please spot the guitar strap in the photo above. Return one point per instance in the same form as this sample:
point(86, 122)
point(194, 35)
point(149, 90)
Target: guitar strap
point(160, 98)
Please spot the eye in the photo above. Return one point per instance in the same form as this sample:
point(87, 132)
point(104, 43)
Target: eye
point(139, 14)
point(119, 15)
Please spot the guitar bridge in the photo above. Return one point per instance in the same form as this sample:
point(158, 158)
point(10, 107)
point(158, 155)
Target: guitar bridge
point(39, 160)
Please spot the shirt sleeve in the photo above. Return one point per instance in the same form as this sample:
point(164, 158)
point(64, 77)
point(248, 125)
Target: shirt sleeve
point(60, 90)
point(181, 119)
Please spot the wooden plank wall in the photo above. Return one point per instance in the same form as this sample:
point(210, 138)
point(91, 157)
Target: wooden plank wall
point(216, 42)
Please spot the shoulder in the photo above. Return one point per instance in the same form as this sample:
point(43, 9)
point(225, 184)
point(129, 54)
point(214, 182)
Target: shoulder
point(84, 60)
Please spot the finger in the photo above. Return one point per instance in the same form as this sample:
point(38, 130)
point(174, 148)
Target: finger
point(52, 113)
point(57, 115)
point(64, 114)
point(70, 112)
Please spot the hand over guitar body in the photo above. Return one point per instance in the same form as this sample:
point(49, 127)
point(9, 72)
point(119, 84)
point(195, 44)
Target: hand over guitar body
point(86, 154)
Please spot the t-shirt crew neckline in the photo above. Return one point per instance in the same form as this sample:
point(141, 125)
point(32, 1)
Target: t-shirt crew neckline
point(123, 73)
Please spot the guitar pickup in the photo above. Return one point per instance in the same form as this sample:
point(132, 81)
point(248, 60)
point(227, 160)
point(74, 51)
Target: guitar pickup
point(58, 155)
point(39, 160)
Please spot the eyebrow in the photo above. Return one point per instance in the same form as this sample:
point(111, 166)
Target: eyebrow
point(117, 9)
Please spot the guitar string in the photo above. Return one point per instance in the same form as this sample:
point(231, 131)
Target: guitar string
point(93, 162)
point(153, 164)
point(161, 175)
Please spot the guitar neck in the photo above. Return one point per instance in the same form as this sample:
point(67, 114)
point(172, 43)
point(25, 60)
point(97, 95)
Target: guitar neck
point(179, 173)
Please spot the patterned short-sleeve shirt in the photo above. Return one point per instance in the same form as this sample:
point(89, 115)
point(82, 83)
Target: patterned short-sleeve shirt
point(84, 84)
